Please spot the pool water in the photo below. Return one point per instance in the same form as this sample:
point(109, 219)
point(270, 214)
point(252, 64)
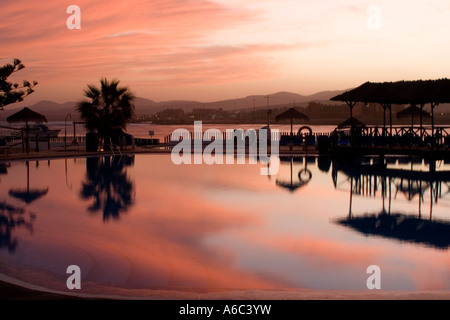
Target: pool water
point(141, 223)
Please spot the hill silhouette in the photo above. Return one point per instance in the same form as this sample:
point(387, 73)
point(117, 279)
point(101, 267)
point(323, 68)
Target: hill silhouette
point(59, 111)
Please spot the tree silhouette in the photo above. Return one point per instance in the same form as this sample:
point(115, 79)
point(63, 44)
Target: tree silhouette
point(108, 185)
point(108, 109)
point(13, 92)
point(10, 218)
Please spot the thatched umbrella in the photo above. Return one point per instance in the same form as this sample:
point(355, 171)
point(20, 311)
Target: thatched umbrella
point(411, 111)
point(351, 123)
point(26, 115)
point(291, 114)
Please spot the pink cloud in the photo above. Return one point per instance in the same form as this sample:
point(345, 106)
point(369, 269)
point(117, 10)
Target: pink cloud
point(153, 43)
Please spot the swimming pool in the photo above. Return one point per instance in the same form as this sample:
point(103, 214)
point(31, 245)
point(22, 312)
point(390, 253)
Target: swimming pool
point(139, 225)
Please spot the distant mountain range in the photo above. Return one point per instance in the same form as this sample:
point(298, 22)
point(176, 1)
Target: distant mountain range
point(59, 111)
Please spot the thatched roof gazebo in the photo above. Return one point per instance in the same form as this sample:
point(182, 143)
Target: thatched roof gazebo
point(420, 92)
point(26, 115)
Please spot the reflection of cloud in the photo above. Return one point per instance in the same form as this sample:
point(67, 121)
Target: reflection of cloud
point(165, 241)
point(428, 269)
point(323, 251)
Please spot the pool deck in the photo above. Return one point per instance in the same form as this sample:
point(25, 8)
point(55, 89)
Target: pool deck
point(80, 151)
point(11, 291)
point(339, 152)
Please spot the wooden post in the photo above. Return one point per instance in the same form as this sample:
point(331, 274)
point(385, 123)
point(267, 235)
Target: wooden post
point(23, 144)
point(433, 140)
point(27, 141)
point(390, 118)
point(351, 105)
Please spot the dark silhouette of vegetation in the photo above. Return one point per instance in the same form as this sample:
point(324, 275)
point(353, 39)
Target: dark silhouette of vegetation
point(11, 218)
point(108, 109)
point(108, 185)
point(13, 92)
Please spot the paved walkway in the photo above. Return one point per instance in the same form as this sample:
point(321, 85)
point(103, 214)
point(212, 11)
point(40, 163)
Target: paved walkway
point(80, 151)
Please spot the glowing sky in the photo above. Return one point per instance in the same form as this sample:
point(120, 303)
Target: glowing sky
point(218, 49)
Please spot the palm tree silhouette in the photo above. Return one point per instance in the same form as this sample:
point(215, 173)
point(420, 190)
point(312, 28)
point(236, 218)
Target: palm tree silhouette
point(108, 184)
point(108, 109)
point(12, 217)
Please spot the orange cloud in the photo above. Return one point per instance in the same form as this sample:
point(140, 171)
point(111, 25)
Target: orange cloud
point(150, 43)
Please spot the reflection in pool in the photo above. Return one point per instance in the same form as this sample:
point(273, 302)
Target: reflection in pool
point(136, 224)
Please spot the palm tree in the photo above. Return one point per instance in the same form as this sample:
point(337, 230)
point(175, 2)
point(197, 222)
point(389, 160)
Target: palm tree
point(108, 110)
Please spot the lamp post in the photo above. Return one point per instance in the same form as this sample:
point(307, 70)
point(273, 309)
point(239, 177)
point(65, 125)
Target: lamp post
point(65, 130)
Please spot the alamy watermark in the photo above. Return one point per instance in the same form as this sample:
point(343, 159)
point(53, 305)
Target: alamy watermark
point(374, 280)
point(74, 20)
point(74, 280)
point(374, 20)
point(235, 141)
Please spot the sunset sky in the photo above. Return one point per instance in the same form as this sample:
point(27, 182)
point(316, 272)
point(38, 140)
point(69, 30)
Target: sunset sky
point(210, 50)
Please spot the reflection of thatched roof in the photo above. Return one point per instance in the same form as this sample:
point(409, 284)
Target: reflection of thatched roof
point(292, 184)
point(28, 195)
point(402, 227)
point(400, 92)
point(351, 170)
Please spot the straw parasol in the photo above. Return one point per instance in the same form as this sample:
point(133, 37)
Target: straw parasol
point(26, 115)
point(351, 123)
point(411, 111)
point(291, 114)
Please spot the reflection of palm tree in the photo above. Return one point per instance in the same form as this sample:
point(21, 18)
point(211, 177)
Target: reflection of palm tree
point(108, 184)
point(10, 218)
